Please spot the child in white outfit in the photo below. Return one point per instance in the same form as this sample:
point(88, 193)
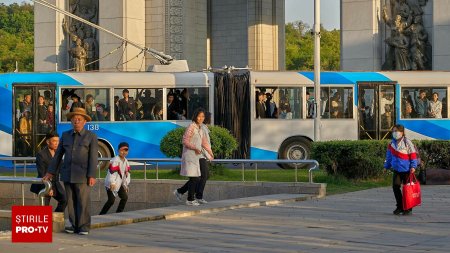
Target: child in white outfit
point(117, 180)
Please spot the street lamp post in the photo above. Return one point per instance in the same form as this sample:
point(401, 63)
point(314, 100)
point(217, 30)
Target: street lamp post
point(317, 70)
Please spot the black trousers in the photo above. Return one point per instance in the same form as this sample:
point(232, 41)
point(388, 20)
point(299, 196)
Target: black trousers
point(190, 186)
point(204, 170)
point(59, 194)
point(123, 195)
point(79, 205)
point(398, 179)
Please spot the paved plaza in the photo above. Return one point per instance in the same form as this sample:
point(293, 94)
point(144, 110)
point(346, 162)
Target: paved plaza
point(352, 222)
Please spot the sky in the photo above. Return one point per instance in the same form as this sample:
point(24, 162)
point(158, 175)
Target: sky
point(295, 10)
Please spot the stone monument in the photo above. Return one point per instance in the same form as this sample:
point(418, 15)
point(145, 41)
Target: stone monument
point(395, 35)
point(203, 32)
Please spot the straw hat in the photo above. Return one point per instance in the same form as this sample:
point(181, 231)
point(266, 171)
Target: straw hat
point(78, 111)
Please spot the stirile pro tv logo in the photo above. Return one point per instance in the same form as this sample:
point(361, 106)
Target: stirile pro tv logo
point(31, 224)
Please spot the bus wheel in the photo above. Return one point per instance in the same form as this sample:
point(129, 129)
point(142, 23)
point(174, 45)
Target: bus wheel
point(103, 152)
point(296, 148)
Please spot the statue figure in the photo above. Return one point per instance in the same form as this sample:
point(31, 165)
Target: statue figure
point(422, 2)
point(91, 46)
point(74, 5)
point(79, 55)
point(408, 44)
point(400, 45)
point(419, 39)
point(416, 9)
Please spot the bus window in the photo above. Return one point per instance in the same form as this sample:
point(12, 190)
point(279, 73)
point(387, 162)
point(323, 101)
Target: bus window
point(34, 117)
point(336, 102)
point(310, 110)
point(387, 105)
point(95, 101)
point(282, 103)
point(23, 134)
point(424, 102)
point(181, 103)
point(150, 104)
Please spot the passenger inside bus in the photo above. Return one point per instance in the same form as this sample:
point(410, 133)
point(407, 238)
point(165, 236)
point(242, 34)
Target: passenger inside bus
point(25, 128)
point(90, 107)
point(42, 116)
point(75, 102)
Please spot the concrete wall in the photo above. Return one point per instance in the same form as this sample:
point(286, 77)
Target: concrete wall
point(441, 34)
point(152, 193)
point(127, 19)
point(229, 36)
point(155, 30)
point(360, 38)
point(50, 51)
point(203, 32)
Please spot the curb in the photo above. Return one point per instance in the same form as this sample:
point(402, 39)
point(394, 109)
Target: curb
point(182, 211)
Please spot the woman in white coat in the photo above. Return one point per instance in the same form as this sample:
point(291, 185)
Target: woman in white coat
point(194, 140)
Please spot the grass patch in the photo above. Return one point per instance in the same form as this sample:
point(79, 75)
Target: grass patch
point(335, 184)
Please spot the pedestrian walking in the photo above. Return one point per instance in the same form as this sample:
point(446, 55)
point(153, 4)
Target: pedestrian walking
point(43, 159)
point(194, 140)
point(205, 157)
point(117, 180)
point(401, 157)
point(80, 150)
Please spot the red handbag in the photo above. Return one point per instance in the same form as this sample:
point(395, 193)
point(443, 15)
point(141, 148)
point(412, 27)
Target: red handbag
point(411, 193)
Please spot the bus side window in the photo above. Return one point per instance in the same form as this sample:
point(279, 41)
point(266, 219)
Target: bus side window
point(94, 101)
point(336, 102)
point(272, 103)
point(424, 102)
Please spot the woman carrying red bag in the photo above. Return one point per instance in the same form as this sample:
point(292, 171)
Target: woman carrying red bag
point(401, 157)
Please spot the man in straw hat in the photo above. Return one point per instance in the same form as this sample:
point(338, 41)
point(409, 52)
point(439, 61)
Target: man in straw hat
point(80, 150)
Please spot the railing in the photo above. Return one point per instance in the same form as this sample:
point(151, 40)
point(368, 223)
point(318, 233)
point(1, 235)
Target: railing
point(151, 161)
point(29, 180)
point(242, 162)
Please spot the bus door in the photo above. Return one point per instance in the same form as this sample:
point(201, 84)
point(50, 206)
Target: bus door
point(34, 117)
point(376, 110)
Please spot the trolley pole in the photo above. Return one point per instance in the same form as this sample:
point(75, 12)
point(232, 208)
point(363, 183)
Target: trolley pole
point(317, 70)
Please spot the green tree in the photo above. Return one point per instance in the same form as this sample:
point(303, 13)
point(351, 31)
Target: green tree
point(16, 37)
point(300, 47)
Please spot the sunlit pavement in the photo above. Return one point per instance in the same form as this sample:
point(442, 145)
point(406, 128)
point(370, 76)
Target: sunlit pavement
point(353, 222)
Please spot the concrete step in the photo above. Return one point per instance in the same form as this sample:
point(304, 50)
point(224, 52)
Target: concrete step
point(181, 211)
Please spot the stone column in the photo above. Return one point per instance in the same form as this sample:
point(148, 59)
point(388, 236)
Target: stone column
point(441, 34)
point(127, 19)
point(360, 35)
point(155, 28)
point(264, 32)
point(50, 51)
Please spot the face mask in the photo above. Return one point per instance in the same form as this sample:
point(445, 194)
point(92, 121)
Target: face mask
point(397, 135)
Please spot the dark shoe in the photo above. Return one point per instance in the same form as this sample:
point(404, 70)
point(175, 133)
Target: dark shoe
point(398, 211)
point(407, 212)
point(69, 230)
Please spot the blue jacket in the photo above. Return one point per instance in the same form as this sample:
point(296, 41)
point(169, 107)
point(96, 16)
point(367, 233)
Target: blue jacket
point(401, 156)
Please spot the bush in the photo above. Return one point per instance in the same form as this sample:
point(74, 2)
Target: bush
point(351, 159)
point(434, 154)
point(222, 142)
point(365, 159)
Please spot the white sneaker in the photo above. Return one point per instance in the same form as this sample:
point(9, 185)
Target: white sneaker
point(202, 201)
point(192, 203)
point(177, 195)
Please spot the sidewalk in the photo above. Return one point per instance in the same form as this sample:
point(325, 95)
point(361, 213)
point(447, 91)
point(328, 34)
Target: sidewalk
point(353, 222)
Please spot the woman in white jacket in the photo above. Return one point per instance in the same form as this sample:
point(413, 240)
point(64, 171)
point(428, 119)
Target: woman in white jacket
point(194, 140)
point(117, 180)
